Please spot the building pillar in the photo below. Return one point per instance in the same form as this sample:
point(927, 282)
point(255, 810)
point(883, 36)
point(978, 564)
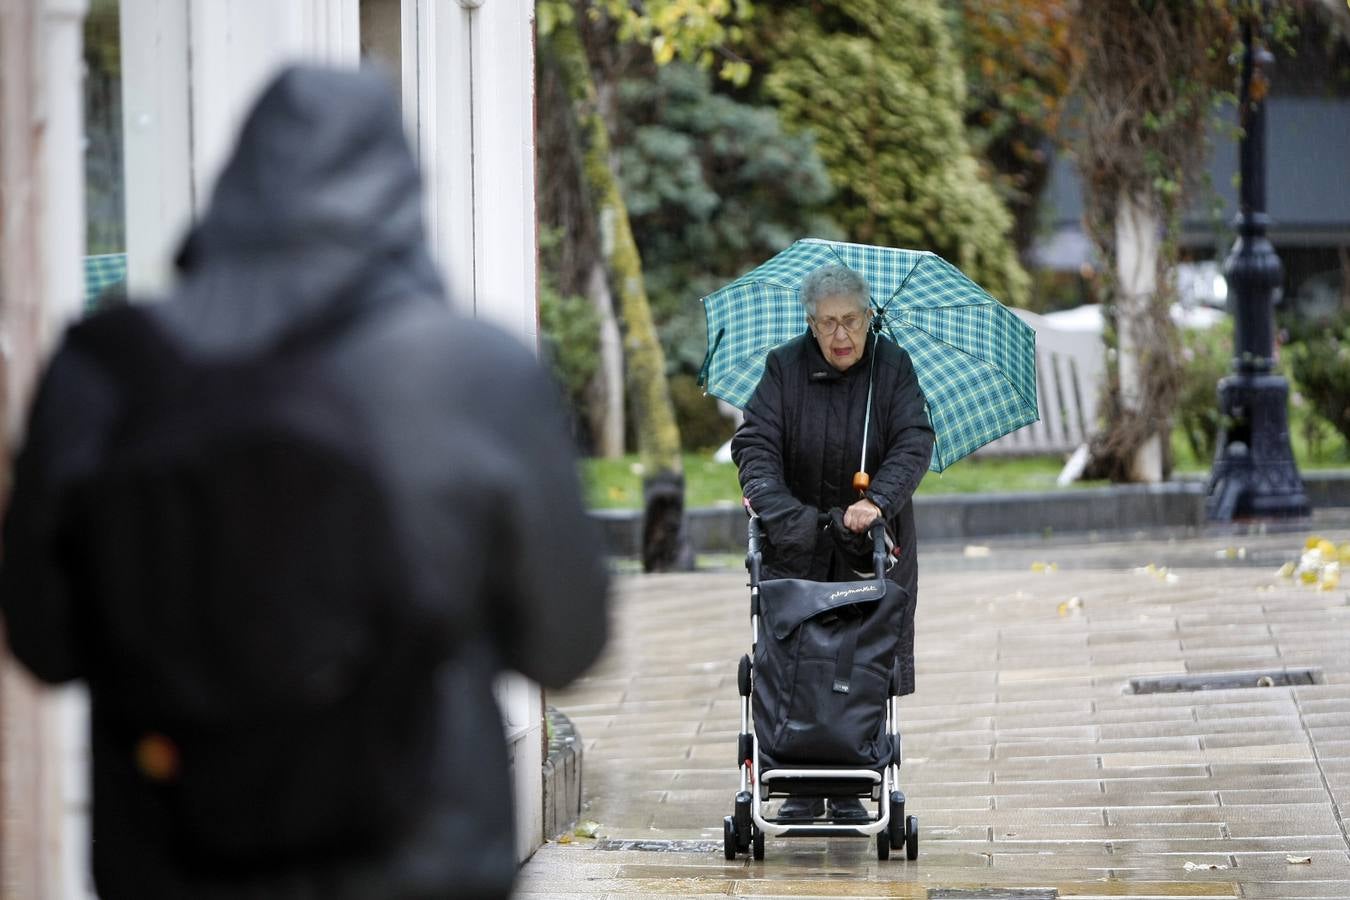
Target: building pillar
point(42, 238)
point(469, 99)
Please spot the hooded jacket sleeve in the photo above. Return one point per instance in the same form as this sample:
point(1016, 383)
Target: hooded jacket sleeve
point(910, 442)
point(550, 618)
point(758, 449)
point(36, 596)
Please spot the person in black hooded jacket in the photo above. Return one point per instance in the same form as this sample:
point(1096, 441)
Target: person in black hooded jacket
point(316, 228)
point(801, 443)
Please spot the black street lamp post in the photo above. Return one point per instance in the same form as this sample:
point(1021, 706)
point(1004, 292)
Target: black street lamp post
point(1254, 474)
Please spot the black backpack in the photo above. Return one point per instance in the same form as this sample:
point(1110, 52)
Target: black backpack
point(824, 664)
point(256, 650)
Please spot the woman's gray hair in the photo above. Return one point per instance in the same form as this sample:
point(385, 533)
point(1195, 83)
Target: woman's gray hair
point(834, 281)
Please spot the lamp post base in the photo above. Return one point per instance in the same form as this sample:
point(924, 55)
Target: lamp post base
point(1254, 475)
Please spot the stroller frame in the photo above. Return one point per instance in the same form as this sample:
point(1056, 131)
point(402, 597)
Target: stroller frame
point(745, 830)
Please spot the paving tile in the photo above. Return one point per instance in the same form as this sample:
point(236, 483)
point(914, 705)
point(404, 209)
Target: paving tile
point(1025, 760)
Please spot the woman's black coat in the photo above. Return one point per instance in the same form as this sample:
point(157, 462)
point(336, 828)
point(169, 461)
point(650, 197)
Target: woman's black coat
point(800, 445)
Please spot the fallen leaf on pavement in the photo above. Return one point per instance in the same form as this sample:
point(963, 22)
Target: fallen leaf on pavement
point(587, 829)
point(1298, 860)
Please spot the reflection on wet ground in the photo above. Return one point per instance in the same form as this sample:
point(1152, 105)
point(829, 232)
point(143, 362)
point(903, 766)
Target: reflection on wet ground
point(1030, 766)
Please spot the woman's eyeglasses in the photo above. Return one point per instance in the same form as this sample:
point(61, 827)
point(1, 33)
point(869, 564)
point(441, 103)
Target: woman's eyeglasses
point(828, 327)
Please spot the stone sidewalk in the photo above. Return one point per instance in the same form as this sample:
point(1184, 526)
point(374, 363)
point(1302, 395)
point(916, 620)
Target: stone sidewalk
point(1027, 763)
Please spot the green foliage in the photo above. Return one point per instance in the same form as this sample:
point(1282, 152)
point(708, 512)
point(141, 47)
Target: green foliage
point(1019, 63)
point(702, 425)
point(568, 327)
point(692, 31)
point(713, 187)
point(1321, 368)
point(569, 330)
point(1207, 356)
point(880, 86)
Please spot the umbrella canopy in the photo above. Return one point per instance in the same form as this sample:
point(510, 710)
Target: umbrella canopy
point(974, 359)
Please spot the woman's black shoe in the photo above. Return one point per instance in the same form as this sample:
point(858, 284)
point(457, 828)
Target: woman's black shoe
point(802, 808)
point(847, 809)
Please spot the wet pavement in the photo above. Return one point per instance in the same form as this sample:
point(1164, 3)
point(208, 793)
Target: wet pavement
point(1026, 760)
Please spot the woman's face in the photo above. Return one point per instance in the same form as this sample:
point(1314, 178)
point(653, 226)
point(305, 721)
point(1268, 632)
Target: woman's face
point(840, 328)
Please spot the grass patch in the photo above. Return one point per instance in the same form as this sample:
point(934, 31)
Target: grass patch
point(1316, 445)
point(617, 483)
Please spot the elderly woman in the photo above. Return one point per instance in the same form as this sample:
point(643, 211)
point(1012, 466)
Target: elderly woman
point(801, 443)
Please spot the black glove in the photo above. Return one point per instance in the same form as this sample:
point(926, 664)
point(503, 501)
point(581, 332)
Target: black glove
point(854, 547)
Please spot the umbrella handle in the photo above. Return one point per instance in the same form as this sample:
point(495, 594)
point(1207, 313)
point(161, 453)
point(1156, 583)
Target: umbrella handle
point(861, 482)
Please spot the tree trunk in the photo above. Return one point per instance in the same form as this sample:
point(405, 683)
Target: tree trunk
point(657, 432)
point(606, 410)
point(565, 204)
point(1138, 229)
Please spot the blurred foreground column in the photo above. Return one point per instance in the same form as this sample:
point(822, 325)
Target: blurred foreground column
point(468, 88)
point(42, 842)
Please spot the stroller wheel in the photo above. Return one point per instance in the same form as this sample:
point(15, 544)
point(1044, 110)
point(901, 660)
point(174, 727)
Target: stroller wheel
point(729, 838)
point(758, 849)
point(912, 838)
point(883, 845)
point(896, 826)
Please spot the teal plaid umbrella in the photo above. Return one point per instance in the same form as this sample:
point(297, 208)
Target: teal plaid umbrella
point(975, 360)
point(101, 273)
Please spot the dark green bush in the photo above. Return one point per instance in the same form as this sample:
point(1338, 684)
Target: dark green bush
point(570, 328)
point(1207, 356)
point(702, 426)
point(1321, 366)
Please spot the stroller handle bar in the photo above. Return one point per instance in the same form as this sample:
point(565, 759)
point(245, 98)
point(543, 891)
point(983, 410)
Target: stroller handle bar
point(755, 546)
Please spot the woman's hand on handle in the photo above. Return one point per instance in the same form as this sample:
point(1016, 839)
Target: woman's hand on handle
point(861, 515)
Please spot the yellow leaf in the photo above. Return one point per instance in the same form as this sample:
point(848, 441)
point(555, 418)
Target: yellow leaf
point(663, 51)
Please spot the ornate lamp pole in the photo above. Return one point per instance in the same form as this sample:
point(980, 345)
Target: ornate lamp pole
point(1254, 474)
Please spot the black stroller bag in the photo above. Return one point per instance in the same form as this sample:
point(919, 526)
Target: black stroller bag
point(823, 671)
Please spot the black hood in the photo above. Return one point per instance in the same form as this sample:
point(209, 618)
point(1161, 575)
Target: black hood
point(320, 206)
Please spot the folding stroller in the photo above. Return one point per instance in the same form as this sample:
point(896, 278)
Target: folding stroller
point(819, 707)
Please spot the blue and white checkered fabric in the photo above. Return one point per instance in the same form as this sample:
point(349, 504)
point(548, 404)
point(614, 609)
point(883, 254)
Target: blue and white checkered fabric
point(100, 273)
point(975, 360)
